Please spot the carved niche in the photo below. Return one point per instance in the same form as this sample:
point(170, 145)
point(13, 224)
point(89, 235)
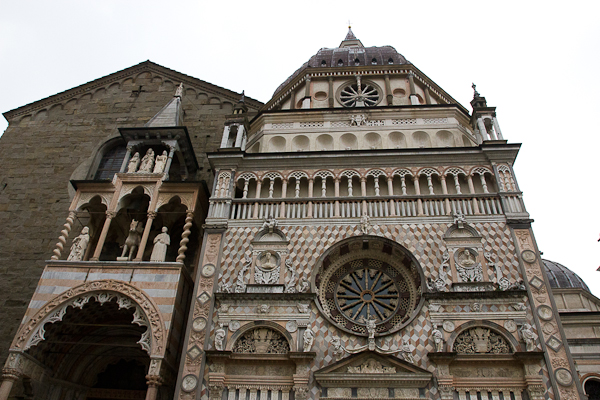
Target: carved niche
point(480, 340)
point(262, 340)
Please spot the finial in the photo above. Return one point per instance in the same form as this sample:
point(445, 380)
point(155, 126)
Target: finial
point(179, 91)
point(475, 92)
point(349, 25)
point(243, 97)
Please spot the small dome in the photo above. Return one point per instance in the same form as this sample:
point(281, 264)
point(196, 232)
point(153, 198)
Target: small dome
point(562, 277)
point(351, 52)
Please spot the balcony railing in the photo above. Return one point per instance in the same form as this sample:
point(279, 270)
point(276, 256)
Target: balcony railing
point(379, 206)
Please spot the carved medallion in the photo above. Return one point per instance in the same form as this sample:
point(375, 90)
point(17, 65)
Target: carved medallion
point(199, 324)
point(208, 270)
point(189, 383)
point(234, 325)
point(469, 270)
point(448, 326)
point(528, 256)
point(544, 312)
point(291, 326)
point(510, 325)
point(563, 376)
point(267, 268)
point(549, 328)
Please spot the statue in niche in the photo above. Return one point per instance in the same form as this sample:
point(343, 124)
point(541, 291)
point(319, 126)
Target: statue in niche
point(161, 241)
point(308, 338)
point(147, 162)
point(132, 242)
point(438, 339)
point(80, 244)
point(528, 337)
point(134, 163)
point(161, 162)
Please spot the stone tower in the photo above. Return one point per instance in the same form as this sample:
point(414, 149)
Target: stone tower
point(360, 235)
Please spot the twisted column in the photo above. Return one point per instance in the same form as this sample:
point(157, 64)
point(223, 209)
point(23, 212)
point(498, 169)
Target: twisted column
point(184, 236)
point(64, 235)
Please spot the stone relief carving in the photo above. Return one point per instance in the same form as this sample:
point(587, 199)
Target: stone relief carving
point(290, 286)
point(459, 220)
point(219, 338)
point(475, 307)
point(407, 352)
point(371, 366)
point(519, 306)
point(291, 326)
point(365, 224)
point(303, 286)
point(439, 284)
point(528, 337)
point(480, 340)
point(240, 283)
point(261, 340)
point(267, 268)
point(263, 309)
point(510, 325)
point(308, 339)
point(338, 348)
point(448, 326)
point(469, 270)
point(303, 308)
point(358, 119)
point(80, 244)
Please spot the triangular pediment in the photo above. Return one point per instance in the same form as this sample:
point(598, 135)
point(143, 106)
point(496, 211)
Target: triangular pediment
point(132, 73)
point(378, 369)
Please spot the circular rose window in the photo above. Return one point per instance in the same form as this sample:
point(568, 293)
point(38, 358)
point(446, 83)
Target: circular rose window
point(369, 278)
point(359, 94)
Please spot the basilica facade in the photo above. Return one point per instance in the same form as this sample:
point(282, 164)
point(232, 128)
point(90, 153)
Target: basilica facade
point(361, 235)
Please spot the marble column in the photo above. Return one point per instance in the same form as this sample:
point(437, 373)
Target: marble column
point(144, 240)
point(109, 216)
point(9, 377)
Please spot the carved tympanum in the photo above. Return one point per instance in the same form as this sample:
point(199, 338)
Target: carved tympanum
point(480, 340)
point(262, 340)
point(371, 366)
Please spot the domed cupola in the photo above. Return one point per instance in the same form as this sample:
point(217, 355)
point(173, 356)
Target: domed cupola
point(562, 277)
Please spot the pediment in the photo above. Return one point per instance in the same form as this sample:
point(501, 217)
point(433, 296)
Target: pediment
point(376, 369)
point(130, 73)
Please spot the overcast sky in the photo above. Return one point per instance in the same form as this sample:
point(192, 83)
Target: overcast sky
point(536, 61)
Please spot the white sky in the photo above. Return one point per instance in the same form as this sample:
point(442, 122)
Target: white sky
point(537, 61)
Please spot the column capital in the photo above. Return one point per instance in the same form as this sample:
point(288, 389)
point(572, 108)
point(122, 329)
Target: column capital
point(111, 214)
point(152, 215)
point(189, 214)
point(11, 374)
point(153, 380)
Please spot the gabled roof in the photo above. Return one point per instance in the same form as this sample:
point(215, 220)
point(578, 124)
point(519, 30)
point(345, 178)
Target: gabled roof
point(135, 70)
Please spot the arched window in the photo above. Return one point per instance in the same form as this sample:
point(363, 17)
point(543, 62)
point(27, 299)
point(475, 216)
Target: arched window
point(111, 161)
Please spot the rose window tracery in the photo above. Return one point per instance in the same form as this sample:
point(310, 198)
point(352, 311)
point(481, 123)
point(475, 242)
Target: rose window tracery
point(361, 280)
point(359, 94)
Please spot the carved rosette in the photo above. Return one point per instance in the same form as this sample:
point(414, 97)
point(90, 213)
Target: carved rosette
point(126, 295)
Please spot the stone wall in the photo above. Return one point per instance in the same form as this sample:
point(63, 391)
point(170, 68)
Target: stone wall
point(56, 139)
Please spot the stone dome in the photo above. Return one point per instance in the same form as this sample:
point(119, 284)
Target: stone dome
point(350, 53)
point(562, 277)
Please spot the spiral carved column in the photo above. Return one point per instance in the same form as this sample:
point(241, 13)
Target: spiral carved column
point(184, 236)
point(64, 235)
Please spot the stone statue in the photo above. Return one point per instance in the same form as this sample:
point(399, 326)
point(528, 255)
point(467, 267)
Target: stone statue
point(365, 224)
point(132, 242)
point(147, 162)
point(219, 338)
point(161, 241)
point(290, 286)
point(309, 338)
point(179, 90)
point(438, 339)
point(134, 163)
point(371, 327)
point(80, 244)
point(161, 162)
point(528, 337)
point(303, 286)
point(407, 352)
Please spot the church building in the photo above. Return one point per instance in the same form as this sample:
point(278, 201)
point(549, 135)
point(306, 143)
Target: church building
point(361, 235)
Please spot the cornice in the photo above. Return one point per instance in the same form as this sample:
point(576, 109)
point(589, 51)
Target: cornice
point(125, 73)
